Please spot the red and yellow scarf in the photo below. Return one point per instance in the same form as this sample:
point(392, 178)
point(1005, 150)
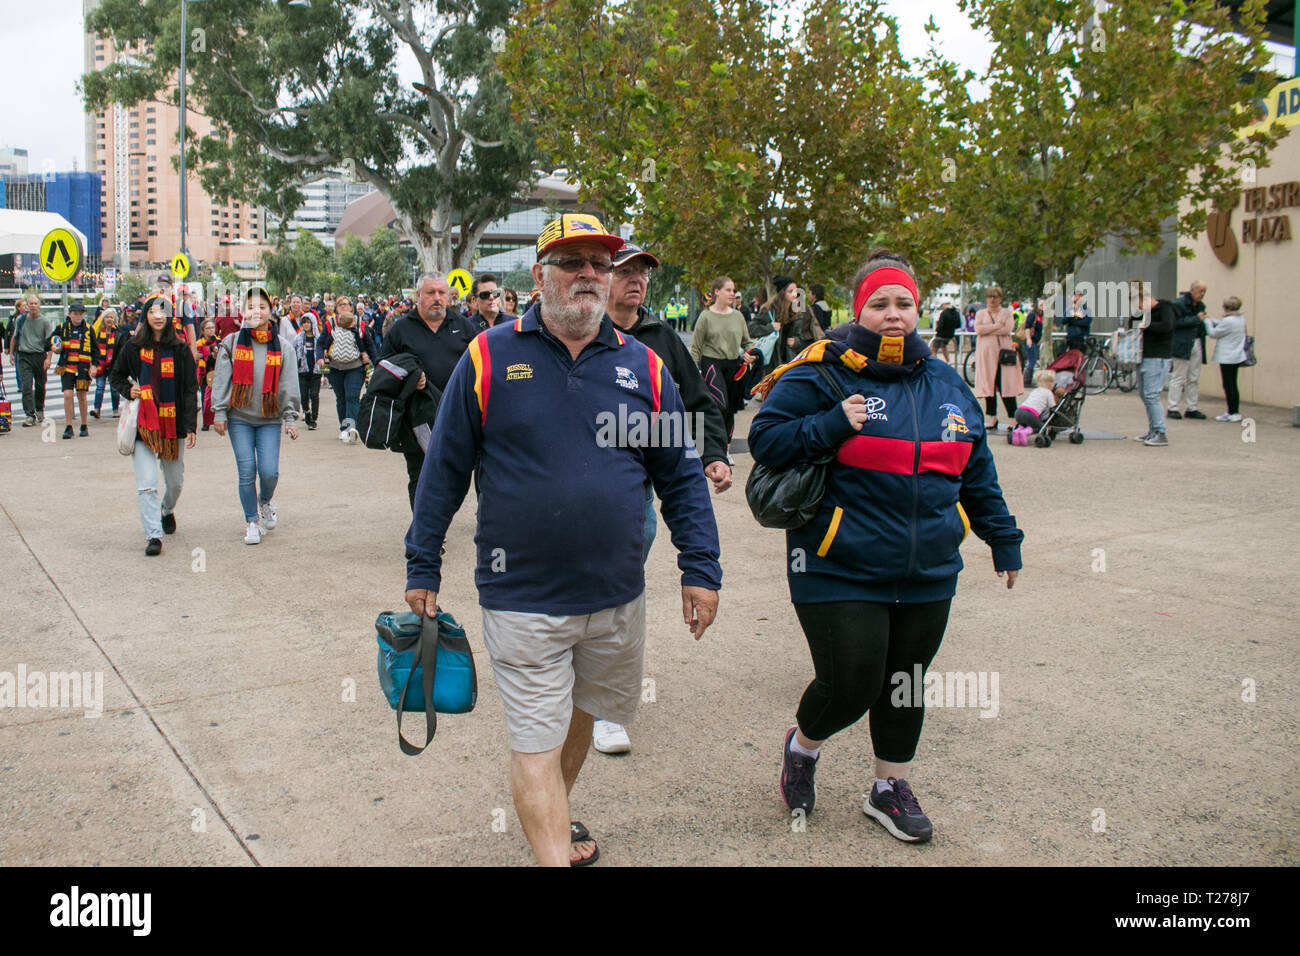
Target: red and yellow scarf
point(77, 352)
point(156, 421)
point(241, 393)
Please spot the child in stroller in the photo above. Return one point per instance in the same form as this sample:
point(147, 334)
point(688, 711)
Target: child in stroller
point(1060, 394)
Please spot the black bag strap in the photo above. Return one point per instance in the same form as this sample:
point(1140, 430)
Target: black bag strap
point(825, 373)
point(426, 651)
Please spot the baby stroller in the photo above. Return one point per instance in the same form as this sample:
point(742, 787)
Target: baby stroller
point(1068, 411)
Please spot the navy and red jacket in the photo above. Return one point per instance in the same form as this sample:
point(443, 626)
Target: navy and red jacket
point(561, 509)
point(901, 494)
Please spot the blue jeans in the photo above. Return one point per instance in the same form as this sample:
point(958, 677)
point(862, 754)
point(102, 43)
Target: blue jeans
point(347, 393)
point(100, 384)
point(1031, 352)
point(257, 456)
point(147, 465)
point(1151, 378)
point(651, 525)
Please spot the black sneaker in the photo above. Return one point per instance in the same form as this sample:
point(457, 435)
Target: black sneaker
point(94, 413)
point(1157, 440)
point(1195, 413)
point(798, 789)
point(85, 432)
point(898, 812)
point(1176, 415)
point(67, 432)
point(169, 524)
point(154, 547)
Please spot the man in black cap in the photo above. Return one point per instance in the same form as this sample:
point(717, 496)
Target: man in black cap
point(626, 309)
point(79, 353)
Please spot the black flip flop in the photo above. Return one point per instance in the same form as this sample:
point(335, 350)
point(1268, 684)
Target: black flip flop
point(578, 834)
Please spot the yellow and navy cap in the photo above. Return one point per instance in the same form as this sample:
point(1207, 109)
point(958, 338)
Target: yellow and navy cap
point(575, 227)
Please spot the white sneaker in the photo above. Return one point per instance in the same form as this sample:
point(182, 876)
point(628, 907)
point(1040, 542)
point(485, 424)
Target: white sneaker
point(1225, 417)
point(343, 436)
point(266, 515)
point(254, 533)
point(354, 436)
point(609, 737)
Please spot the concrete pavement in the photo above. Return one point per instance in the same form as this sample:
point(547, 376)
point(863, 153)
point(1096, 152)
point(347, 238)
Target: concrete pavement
point(242, 722)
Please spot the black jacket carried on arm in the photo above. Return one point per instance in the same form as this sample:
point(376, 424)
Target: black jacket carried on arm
point(668, 345)
point(398, 377)
point(126, 372)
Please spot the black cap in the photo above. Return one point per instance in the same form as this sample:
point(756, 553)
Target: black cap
point(780, 283)
point(629, 252)
point(76, 307)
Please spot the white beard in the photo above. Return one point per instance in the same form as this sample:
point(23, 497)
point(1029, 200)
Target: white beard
point(573, 319)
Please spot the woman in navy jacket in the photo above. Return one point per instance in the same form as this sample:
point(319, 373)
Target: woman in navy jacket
point(872, 576)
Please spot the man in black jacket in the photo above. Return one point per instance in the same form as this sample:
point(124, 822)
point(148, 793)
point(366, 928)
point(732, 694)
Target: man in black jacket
point(438, 339)
point(632, 268)
point(1156, 318)
point(1188, 353)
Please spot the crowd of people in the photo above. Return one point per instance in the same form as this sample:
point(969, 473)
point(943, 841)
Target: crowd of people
point(502, 393)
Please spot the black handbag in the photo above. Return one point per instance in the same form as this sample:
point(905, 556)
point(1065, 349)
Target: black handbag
point(789, 498)
point(1008, 357)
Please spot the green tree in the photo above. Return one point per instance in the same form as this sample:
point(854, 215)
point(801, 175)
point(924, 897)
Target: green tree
point(297, 93)
point(130, 286)
point(375, 266)
point(306, 266)
point(731, 140)
point(1100, 123)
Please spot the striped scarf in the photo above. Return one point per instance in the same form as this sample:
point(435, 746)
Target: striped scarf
point(241, 380)
point(78, 345)
point(156, 422)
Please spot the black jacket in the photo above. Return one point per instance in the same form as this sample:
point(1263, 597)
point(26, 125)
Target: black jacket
point(668, 345)
point(1158, 337)
point(948, 324)
point(398, 377)
point(126, 371)
point(1188, 327)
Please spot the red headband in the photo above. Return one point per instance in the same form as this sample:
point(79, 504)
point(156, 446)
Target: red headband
point(888, 275)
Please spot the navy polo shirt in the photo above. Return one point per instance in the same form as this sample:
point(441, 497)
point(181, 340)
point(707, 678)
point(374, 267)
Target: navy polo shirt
point(565, 447)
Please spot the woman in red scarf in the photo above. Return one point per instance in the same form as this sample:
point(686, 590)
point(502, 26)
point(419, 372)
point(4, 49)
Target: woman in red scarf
point(252, 396)
point(207, 349)
point(156, 367)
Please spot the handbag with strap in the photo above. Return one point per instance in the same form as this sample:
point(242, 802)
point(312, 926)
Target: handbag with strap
point(789, 498)
point(425, 664)
point(1249, 348)
point(6, 410)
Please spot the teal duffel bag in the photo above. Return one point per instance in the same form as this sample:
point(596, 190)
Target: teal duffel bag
point(420, 663)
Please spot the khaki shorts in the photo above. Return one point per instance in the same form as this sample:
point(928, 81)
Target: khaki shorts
point(545, 665)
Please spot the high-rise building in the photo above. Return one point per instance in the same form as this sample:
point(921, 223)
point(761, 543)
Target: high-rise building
point(133, 148)
point(75, 196)
point(13, 162)
point(323, 207)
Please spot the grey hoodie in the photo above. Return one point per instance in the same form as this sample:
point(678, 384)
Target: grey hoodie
point(289, 400)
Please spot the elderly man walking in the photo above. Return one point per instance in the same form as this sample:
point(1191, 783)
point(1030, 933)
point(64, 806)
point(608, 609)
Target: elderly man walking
point(437, 338)
point(562, 413)
point(1188, 350)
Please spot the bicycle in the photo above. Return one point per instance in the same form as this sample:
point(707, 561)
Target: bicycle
point(1103, 369)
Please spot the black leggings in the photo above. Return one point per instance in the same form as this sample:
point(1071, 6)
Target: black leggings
point(1008, 402)
point(857, 647)
point(1230, 391)
point(734, 391)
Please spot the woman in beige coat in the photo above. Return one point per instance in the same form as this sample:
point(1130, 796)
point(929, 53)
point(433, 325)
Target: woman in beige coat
point(993, 328)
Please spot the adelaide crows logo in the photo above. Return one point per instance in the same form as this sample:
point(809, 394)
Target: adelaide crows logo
point(954, 422)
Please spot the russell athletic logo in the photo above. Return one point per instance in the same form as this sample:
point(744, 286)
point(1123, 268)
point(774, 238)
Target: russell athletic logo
point(103, 909)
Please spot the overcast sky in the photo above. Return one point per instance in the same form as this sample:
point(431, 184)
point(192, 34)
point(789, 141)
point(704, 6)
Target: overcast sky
point(40, 110)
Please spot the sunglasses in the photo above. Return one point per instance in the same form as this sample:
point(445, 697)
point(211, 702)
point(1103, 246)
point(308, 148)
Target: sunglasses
point(494, 294)
point(575, 264)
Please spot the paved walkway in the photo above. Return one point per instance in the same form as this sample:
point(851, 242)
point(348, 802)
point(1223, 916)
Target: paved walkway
point(242, 722)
